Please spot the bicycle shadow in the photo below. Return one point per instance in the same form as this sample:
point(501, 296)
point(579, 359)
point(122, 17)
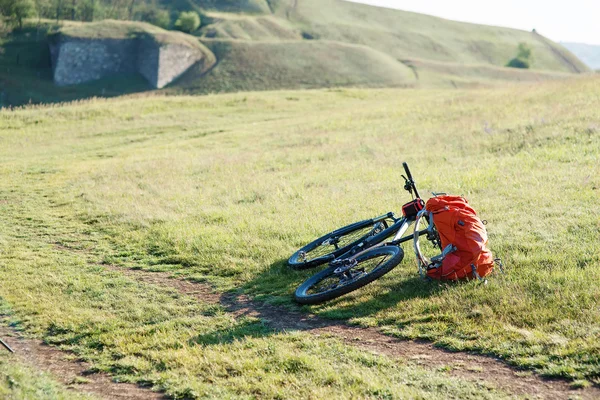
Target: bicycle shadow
point(386, 295)
point(276, 286)
point(265, 307)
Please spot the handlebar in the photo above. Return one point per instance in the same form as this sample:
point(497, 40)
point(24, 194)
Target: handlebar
point(410, 183)
point(405, 165)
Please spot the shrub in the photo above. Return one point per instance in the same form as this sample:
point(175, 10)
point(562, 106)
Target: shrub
point(188, 21)
point(524, 57)
point(525, 52)
point(518, 63)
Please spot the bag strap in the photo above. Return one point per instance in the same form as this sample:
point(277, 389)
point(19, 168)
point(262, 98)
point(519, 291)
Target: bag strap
point(499, 263)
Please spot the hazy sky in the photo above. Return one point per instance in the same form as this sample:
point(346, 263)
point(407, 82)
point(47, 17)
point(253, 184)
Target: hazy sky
point(559, 20)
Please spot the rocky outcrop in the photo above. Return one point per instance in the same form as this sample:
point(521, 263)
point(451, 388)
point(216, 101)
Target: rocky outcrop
point(79, 60)
point(160, 65)
point(83, 60)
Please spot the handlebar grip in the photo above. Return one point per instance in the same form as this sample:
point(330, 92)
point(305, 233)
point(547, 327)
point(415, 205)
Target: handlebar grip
point(408, 174)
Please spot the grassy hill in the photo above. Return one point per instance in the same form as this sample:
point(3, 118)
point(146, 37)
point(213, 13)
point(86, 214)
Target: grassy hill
point(587, 53)
point(287, 44)
point(402, 34)
point(235, 6)
point(405, 34)
point(257, 65)
point(299, 46)
point(251, 65)
point(221, 189)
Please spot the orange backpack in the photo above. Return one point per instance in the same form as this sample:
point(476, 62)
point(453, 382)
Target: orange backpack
point(458, 225)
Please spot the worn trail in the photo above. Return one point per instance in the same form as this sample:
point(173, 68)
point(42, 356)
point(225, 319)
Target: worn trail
point(465, 365)
point(73, 373)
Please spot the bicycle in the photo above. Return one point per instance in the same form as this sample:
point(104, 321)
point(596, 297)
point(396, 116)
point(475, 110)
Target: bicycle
point(358, 253)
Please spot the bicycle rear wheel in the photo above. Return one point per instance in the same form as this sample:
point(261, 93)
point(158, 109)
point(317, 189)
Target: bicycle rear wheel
point(351, 274)
point(334, 244)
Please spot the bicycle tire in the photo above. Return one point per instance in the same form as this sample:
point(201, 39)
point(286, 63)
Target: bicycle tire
point(352, 231)
point(302, 295)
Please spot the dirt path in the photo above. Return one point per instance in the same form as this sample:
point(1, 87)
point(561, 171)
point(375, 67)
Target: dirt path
point(469, 366)
point(75, 374)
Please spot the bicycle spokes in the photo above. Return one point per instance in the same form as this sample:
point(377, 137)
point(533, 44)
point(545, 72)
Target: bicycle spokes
point(427, 243)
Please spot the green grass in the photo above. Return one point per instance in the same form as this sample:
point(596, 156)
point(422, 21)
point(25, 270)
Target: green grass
point(222, 189)
point(59, 291)
point(19, 382)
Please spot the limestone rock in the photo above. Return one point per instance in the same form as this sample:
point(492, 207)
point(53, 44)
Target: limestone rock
point(82, 59)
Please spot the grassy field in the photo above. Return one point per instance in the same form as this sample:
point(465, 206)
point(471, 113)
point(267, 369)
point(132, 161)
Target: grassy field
point(61, 292)
point(222, 189)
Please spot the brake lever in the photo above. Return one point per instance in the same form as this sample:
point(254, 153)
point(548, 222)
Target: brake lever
point(408, 184)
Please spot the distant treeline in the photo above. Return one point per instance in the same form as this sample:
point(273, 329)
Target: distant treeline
point(87, 10)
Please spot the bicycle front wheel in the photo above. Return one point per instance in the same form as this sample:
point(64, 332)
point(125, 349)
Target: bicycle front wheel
point(427, 246)
point(334, 244)
point(355, 273)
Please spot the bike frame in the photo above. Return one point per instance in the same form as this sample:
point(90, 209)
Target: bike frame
point(397, 229)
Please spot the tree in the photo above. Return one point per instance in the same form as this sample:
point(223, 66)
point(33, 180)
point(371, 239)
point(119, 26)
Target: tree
point(42, 7)
point(23, 9)
point(188, 21)
point(131, 5)
point(524, 57)
point(59, 10)
point(154, 15)
point(17, 10)
point(86, 8)
point(525, 52)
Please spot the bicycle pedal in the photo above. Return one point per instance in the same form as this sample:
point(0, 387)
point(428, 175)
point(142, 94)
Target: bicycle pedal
point(302, 256)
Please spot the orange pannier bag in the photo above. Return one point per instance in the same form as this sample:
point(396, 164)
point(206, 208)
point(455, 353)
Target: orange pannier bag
point(458, 225)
